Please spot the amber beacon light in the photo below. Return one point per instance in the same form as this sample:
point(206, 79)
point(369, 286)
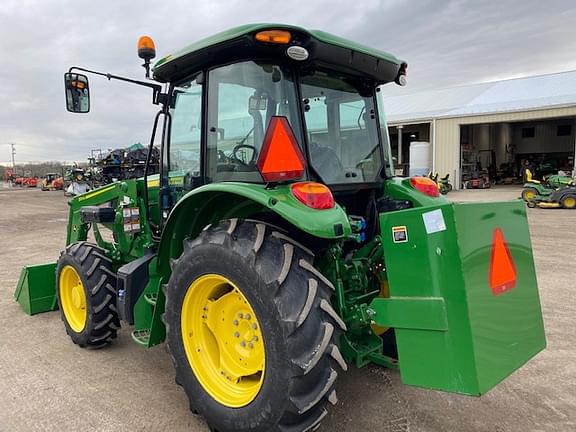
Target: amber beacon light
point(146, 51)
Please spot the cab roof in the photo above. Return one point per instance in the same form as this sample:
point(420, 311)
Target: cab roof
point(239, 43)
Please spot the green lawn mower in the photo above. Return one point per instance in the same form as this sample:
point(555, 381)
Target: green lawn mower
point(534, 189)
point(275, 249)
point(559, 198)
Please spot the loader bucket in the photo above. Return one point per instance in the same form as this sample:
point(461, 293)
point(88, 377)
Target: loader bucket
point(463, 294)
point(36, 290)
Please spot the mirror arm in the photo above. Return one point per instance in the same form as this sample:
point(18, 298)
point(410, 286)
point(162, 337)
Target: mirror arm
point(156, 88)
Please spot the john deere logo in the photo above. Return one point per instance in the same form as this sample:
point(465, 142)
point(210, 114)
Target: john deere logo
point(297, 53)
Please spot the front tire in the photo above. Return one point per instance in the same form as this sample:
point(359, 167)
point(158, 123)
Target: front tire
point(86, 292)
point(239, 268)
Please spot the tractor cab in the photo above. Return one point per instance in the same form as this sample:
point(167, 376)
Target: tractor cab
point(329, 122)
point(277, 105)
point(50, 177)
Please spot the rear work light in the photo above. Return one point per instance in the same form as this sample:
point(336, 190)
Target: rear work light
point(280, 158)
point(313, 195)
point(425, 185)
point(401, 77)
point(274, 36)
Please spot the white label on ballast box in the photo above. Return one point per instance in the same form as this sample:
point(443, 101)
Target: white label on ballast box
point(434, 221)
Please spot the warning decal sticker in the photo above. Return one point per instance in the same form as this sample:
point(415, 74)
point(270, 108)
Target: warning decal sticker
point(399, 234)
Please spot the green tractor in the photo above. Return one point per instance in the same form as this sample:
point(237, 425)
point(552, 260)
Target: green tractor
point(275, 249)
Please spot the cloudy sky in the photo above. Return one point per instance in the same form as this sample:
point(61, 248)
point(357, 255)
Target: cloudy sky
point(445, 42)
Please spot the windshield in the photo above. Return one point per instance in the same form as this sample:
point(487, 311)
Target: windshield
point(343, 134)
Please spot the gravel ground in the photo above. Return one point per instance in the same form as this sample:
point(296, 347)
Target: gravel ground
point(49, 384)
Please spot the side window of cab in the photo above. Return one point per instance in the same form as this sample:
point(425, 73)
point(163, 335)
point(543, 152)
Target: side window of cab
point(185, 136)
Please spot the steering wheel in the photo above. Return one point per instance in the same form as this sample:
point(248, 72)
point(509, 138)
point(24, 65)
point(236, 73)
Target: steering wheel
point(239, 160)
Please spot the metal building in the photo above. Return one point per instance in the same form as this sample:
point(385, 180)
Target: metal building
point(492, 128)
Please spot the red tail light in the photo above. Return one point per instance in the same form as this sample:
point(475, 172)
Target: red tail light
point(280, 158)
point(313, 195)
point(425, 185)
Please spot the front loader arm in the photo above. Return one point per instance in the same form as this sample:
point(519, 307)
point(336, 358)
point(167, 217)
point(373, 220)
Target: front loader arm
point(77, 230)
point(121, 196)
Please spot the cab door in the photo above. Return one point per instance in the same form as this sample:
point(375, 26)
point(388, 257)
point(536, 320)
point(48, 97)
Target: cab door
point(184, 154)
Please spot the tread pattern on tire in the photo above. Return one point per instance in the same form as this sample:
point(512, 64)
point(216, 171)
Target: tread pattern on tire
point(95, 268)
point(312, 328)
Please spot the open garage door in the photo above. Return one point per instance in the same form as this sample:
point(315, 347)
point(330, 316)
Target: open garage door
point(401, 136)
point(493, 154)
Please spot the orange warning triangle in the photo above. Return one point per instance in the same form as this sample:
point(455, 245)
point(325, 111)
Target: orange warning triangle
point(502, 268)
point(280, 158)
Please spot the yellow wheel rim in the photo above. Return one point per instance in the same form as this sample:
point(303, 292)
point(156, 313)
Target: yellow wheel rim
point(529, 195)
point(223, 340)
point(72, 298)
point(570, 202)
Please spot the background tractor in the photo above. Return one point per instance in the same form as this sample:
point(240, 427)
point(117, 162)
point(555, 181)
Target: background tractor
point(30, 182)
point(444, 185)
point(274, 249)
point(52, 181)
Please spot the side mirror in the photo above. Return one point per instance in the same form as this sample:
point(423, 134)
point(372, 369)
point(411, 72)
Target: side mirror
point(77, 92)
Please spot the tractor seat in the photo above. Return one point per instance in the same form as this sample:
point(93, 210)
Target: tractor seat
point(529, 178)
point(326, 163)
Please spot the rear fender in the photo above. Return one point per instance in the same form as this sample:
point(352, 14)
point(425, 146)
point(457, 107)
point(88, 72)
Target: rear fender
point(559, 194)
point(214, 202)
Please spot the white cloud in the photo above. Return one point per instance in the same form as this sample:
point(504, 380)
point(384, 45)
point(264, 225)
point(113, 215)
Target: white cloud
point(444, 42)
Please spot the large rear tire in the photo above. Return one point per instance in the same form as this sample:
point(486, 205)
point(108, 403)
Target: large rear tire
point(86, 292)
point(241, 283)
